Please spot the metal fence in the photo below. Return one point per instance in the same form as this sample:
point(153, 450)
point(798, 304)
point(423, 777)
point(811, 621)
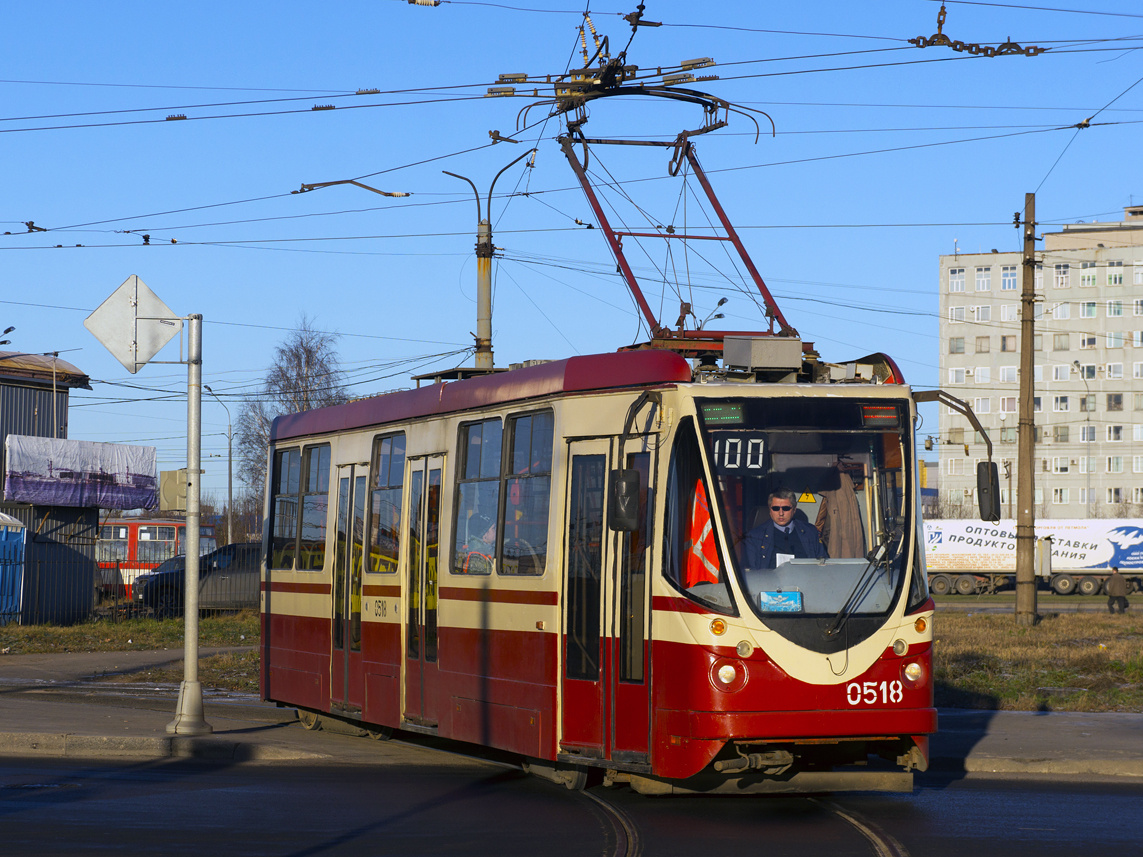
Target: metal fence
point(66, 590)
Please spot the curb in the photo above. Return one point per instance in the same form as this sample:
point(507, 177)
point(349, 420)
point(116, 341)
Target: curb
point(1126, 767)
point(70, 745)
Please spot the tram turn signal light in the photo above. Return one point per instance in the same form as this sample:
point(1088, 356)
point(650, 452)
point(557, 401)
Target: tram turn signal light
point(920, 625)
point(718, 627)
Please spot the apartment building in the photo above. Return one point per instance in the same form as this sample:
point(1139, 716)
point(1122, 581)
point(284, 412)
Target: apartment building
point(1088, 372)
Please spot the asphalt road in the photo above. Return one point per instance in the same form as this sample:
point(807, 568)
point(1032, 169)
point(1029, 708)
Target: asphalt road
point(442, 804)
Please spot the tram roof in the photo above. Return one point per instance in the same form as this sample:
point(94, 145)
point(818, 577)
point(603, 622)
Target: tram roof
point(572, 375)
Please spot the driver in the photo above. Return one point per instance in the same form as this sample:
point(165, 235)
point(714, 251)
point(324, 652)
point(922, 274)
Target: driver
point(782, 538)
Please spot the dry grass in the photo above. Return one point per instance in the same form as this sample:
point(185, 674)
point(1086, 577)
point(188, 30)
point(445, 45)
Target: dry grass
point(240, 629)
point(1066, 662)
point(237, 671)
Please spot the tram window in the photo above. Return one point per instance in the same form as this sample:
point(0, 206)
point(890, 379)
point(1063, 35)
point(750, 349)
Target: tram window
point(693, 557)
point(285, 480)
point(388, 473)
point(528, 487)
point(585, 565)
point(919, 587)
point(112, 545)
point(633, 584)
point(477, 498)
point(155, 544)
point(842, 462)
point(314, 508)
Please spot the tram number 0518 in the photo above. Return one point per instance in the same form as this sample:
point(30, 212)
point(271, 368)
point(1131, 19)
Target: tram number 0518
point(873, 692)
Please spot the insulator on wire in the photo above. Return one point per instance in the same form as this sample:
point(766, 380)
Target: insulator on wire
point(424, 2)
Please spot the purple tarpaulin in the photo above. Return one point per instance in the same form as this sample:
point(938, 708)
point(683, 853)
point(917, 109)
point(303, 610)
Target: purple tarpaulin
point(51, 472)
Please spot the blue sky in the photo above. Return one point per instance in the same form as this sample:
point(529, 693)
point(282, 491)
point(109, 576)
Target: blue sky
point(884, 156)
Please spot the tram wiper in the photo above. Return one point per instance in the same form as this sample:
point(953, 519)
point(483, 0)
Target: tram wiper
point(875, 559)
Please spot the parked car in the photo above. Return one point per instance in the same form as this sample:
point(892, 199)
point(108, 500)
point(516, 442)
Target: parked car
point(175, 563)
point(229, 579)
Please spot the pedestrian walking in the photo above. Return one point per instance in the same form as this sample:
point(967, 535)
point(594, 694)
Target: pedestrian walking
point(1116, 587)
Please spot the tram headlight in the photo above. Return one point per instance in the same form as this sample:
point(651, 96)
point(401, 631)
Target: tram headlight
point(728, 675)
point(914, 674)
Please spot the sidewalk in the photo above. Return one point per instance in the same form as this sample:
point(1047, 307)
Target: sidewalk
point(53, 705)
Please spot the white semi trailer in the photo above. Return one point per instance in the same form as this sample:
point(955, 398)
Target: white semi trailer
point(966, 557)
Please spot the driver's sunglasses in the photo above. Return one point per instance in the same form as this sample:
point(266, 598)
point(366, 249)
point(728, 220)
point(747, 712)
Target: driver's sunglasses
point(782, 508)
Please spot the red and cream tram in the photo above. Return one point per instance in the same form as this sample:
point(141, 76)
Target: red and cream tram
point(555, 561)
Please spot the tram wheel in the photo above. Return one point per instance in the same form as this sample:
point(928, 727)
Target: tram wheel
point(574, 778)
point(940, 585)
point(309, 719)
point(1089, 586)
point(966, 584)
point(379, 733)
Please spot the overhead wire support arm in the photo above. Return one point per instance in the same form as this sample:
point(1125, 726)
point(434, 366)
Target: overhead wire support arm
point(308, 187)
point(568, 146)
point(732, 233)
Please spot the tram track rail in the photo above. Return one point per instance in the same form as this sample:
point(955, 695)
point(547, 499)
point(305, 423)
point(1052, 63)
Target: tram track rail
point(883, 844)
point(628, 843)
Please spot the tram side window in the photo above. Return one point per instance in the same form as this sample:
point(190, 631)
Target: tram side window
point(112, 545)
point(285, 481)
point(477, 498)
point(388, 472)
point(694, 562)
point(528, 488)
point(314, 508)
point(155, 544)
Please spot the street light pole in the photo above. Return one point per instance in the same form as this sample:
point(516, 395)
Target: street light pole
point(189, 718)
point(229, 469)
point(484, 268)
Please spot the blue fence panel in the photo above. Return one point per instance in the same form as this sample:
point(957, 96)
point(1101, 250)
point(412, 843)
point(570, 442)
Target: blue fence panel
point(11, 573)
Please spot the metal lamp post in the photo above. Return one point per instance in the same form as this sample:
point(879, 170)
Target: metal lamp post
point(484, 267)
point(229, 469)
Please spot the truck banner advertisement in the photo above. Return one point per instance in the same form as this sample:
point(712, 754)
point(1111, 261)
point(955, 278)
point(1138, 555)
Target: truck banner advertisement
point(1076, 544)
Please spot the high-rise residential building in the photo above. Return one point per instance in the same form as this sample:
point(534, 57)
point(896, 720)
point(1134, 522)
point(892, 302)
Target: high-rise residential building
point(1088, 372)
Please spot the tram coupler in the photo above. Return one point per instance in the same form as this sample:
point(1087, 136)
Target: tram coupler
point(773, 763)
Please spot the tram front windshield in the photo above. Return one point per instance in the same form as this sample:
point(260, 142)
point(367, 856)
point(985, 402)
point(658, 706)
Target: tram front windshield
point(813, 497)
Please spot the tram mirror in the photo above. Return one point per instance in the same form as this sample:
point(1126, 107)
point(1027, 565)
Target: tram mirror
point(623, 510)
point(988, 490)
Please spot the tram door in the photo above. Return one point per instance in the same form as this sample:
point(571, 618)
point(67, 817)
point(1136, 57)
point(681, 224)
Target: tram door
point(606, 705)
point(347, 675)
point(421, 669)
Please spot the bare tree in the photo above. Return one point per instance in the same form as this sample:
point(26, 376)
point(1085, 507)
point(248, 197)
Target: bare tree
point(305, 373)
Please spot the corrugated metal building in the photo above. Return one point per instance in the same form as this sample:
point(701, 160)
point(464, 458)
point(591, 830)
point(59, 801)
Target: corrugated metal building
point(57, 581)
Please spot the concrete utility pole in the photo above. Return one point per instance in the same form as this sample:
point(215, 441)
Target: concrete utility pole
point(1025, 477)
